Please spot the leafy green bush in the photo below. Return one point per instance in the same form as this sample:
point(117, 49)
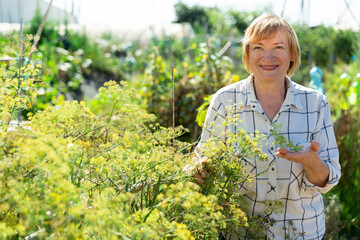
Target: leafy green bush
point(325, 46)
point(20, 82)
point(343, 92)
point(69, 58)
point(212, 20)
point(69, 173)
point(196, 16)
point(72, 174)
point(200, 71)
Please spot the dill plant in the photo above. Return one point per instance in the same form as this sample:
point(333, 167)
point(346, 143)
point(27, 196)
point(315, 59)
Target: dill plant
point(221, 159)
point(104, 170)
point(225, 170)
point(71, 173)
point(19, 80)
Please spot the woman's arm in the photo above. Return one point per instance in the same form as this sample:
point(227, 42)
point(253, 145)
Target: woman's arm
point(315, 169)
point(321, 158)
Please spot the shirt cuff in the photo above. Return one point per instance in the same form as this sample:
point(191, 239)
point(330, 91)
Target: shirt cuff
point(331, 182)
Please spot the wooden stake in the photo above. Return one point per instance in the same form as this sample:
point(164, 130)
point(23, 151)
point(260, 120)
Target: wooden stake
point(173, 95)
point(40, 29)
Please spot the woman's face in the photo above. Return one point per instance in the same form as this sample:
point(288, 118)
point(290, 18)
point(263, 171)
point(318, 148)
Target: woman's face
point(269, 59)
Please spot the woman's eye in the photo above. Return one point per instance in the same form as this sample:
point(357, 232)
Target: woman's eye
point(255, 48)
point(279, 47)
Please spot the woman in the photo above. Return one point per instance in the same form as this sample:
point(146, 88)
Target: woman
point(269, 98)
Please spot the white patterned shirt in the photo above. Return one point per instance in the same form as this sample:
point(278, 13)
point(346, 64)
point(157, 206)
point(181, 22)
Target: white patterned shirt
point(304, 116)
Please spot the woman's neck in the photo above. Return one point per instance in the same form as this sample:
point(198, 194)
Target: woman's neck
point(275, 90)
point(270, 97)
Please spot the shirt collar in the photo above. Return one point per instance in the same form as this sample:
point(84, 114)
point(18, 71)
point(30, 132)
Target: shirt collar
point(291, 99)
point(292, 96)
point(250, 93)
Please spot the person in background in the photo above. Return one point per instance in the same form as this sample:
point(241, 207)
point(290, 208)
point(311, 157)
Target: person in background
point(269, 98)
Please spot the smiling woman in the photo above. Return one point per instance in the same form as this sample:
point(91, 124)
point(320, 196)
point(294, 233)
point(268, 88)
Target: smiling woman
point(271, 51)
point(269, 103)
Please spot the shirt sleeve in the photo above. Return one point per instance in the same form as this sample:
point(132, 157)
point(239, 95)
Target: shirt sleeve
point(213, 129)
point(328, 152)
point(214, 126)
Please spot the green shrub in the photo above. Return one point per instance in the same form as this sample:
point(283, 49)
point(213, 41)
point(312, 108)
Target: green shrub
point(342, 206)
point(71, 172)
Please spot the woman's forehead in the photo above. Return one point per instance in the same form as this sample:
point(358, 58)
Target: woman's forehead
point(268, 35)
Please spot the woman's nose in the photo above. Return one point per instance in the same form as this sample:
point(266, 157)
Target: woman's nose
point(268, 54)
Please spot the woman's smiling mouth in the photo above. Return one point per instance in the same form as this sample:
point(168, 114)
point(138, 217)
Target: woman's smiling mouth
point(269, 67)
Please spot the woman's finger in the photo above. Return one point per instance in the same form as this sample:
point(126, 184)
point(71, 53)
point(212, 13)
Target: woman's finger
point(198, 177)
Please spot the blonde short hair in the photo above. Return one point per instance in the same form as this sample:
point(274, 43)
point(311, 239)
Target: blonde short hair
point(265, 26)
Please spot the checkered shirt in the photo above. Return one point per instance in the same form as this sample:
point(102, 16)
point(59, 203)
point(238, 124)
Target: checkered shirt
point(304, 116)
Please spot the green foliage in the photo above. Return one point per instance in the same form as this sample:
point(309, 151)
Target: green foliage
point(199, 72)
point(76, 175)
point(316, 43)
point(73, 173)
point(69, 58)
point(243, 19)
point(223, 165)
point(282, 141)
point(345, 45)
point(224, 171)
point(202, 110)
point(50, 34)
point(347, 210)
point(342, 87)
point(196, 16)
point(325, 45)
point(342, 207)
point(19, 83)
point(212, 20)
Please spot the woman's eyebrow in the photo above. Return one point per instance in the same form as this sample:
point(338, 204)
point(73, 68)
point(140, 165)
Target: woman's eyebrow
point(260, 43)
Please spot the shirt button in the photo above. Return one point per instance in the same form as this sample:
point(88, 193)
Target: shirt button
point(272, 169)
point(272, 148)
point(253, 106)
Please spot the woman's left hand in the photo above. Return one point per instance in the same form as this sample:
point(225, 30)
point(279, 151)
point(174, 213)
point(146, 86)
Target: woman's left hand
point(315, 169)
point(303, 156)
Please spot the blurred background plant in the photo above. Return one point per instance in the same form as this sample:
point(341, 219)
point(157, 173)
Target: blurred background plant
point(343, 92)
point(19, 81)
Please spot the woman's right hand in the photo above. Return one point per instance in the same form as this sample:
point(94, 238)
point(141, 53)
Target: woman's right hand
point(199, 171)
point(200, 175)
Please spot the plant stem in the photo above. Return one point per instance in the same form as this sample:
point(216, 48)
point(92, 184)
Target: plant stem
point(40, 29)
point(91, 130)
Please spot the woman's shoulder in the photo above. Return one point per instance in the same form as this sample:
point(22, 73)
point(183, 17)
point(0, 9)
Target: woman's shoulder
point(234, 88)
point(308, 95)
point(301, 89)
